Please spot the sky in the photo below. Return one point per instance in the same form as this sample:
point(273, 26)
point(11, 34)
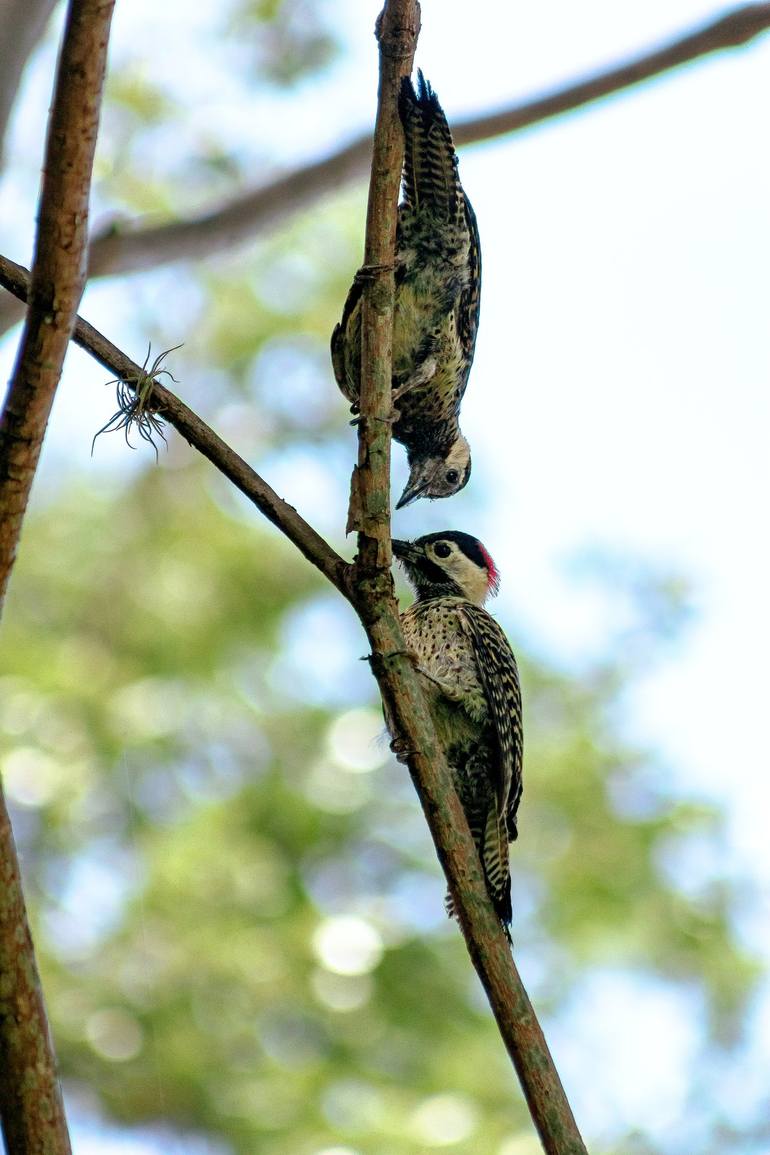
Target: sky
point(619, 400)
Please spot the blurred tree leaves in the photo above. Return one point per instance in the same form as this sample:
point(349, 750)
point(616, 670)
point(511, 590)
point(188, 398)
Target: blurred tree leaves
point(290, 37)
point(238, 908)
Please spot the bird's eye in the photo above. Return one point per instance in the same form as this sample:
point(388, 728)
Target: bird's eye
point(452, 476)
point(441, 549)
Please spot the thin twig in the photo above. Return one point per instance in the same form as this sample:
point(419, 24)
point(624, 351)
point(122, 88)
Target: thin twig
point(31, 1104)
point(164, 403)
point(136, 247)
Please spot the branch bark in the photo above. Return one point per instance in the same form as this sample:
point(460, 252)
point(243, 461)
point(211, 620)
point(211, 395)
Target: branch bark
point(30, 1097)
point(137, 248)
point(31, 1105)
point(59, 268)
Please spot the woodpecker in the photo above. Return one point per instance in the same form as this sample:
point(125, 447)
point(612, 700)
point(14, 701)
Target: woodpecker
point(438, 285)
point(470, 677)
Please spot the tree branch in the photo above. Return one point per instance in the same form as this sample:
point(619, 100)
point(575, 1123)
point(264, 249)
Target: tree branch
point(59, 268)
point(136, 248)
point(30, 1097)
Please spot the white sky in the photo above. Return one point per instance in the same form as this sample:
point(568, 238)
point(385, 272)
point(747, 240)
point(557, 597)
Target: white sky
point(620, 392)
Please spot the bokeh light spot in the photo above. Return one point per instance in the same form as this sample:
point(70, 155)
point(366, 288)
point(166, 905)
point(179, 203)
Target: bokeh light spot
point(443, 1120)
point(149, 708)
point(347, 945)
point(335, 790)
point(341, 992)
point(114, 1034)
point(31, 777)
point(355, 740)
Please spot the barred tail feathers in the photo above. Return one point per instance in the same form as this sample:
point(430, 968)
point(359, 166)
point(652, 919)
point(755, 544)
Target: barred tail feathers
point(494, 859)
point(491, 841)
point(430, 162)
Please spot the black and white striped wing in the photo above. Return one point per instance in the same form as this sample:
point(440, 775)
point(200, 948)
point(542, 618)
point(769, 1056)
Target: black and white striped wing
point(469, 306)
point(346, 346)
point(499, 676)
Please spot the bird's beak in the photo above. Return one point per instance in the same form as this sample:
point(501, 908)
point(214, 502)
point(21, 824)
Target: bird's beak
point(405, 551)
point(415, 487)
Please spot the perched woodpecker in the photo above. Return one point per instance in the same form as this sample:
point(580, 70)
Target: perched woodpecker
point(470, 677)
point(438, 285)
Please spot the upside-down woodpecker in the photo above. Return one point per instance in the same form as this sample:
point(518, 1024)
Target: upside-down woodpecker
point(438, 285)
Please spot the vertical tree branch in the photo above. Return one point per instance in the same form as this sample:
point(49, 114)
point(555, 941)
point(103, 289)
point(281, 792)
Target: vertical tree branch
point(59, 267)
point(30, 1097)
point(398, 28)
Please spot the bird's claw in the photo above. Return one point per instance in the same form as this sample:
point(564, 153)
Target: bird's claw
point(394, 417)
point(402, 750)
point(367, 273)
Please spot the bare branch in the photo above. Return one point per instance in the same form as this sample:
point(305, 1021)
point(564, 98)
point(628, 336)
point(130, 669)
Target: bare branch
point(135, 248)
point(59, 269)
point(167, 405)
point(32, 1111)
point(30, 1097)
point(22, 24)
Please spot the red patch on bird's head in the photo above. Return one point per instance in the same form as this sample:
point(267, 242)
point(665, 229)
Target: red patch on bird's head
point(493, 574)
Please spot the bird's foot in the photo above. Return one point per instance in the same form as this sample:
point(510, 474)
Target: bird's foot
point(391, 420)
point(368, 273)
point(402, 750)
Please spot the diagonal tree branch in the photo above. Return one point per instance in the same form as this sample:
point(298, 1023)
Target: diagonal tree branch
point(30, 1097)
point(15, 278)
point(140, 247)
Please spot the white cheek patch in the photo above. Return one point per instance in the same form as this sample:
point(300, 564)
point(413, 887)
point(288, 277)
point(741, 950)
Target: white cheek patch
point(458, 456)
point(478, 587)
point(474, 581)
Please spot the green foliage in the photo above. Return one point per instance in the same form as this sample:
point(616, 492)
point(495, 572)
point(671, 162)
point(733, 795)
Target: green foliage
point(238, 907)
point(290, 38)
